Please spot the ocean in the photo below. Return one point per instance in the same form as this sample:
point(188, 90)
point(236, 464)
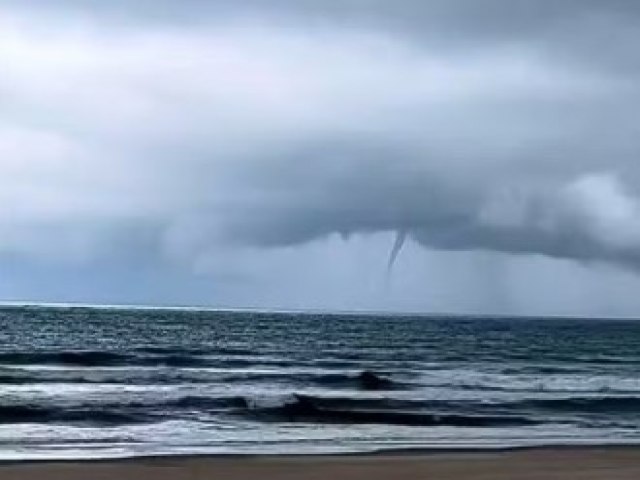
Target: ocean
point(113, 382)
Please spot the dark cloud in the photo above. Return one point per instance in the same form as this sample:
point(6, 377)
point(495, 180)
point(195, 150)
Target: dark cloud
point(199, 135)
point(581, 30)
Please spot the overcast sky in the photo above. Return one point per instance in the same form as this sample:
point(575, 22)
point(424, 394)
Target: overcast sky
point(269, 153)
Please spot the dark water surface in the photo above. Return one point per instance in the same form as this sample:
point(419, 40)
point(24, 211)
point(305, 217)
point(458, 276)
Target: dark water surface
point(83, 382)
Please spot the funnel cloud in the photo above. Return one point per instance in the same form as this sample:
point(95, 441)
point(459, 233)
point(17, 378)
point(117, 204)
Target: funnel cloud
point(398, 243)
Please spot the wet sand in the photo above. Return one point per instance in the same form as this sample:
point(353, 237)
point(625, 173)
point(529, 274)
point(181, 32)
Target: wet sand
point(606, 463)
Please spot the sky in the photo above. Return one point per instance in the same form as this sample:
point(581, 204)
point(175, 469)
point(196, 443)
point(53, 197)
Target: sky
point(270, 154)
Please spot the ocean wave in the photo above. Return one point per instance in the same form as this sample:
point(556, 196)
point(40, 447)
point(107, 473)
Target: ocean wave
point(269, 408)
point(365, 380)
point(79, 416)
point(470, 380)
point(608, 405)
point(299, 407)
point(115, 413)
point(168, 358)
point(307, 409)
point(72, 358)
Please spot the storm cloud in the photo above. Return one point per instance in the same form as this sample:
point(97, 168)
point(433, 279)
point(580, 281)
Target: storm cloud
point(220, 140)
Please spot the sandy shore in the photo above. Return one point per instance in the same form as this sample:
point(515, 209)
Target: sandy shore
point(564, 463)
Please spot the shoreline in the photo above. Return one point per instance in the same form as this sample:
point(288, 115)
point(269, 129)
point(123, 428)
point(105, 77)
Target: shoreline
point(396, 452)
point(620, 462)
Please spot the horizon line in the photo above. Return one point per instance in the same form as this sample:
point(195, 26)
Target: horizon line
point(300, 311)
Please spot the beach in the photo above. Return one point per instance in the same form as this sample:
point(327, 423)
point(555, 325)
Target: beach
point(601, 463)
